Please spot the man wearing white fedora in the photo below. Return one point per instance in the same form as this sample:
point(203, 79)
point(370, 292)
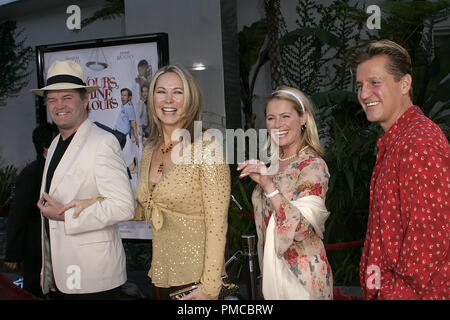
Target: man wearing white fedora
point(82, 252)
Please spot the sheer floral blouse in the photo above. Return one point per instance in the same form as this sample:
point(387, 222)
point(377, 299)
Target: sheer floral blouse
point(296, 239)
point(188, 211)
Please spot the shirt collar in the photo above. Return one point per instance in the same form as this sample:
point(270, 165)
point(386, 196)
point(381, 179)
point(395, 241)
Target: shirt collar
point(389, 137)
point(66, 141)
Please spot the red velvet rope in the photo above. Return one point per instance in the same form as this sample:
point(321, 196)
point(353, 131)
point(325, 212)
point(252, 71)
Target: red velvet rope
point(328, 247)
point(248, 215)
point(14, 291)
point(343, 245)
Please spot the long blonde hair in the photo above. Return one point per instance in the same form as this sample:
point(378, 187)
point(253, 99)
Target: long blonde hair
point(192, 107)
point(309, 136)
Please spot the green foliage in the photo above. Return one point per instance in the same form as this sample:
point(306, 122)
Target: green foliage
point(8, 176)
point(112, 10)
point(251, 58)
point(350, 155)
point(139, 255)
point(14, 60)
point(238, 224)
point(405, 21)
point(410, 23)
point(314, 54)
point(431, 91)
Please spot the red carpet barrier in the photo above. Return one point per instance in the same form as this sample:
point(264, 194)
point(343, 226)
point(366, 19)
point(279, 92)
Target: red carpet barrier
point(343, 245)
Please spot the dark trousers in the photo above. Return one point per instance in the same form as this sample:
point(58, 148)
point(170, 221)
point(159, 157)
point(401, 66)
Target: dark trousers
point(113, 294)
point(31, 276)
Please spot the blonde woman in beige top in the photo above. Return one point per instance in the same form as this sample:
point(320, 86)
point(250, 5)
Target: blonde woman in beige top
point(183, 191)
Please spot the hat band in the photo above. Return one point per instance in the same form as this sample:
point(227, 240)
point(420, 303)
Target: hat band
point(65, 78)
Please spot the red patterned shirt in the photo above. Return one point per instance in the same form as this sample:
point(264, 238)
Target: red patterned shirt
point(405, 253)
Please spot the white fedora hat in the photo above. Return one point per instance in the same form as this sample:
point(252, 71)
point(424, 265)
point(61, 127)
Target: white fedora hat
point(64, 75)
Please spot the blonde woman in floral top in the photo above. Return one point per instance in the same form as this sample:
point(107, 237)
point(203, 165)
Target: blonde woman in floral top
point(302, 173)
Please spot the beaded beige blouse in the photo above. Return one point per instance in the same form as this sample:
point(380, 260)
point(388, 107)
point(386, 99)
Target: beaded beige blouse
point(188, 211)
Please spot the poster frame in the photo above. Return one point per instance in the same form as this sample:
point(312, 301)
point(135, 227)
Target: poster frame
point(162, 44)
point(161, 39)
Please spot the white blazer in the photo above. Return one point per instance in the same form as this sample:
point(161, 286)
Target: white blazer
point(86, 254)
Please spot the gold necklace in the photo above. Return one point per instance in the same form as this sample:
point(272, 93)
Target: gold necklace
point(165, 150)
point(169, 147)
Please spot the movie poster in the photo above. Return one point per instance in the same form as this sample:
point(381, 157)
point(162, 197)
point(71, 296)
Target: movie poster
point(123, 73)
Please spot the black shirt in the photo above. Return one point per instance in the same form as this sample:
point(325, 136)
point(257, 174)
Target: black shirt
point(56, 158)
point(61, 148)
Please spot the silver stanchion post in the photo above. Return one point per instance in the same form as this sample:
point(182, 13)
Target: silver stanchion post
point(248, 248)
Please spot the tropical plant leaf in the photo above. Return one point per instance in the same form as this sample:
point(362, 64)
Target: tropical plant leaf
point(350, 179)
point(14, 61)
point(251, 40)
point(413, 12)
point(112, 10)
point(442, 93)
point(322, 35)
point(333, 97)
point(8, 176)
point(431, 76)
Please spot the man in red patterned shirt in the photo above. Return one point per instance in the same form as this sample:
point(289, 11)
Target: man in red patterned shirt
point(405, 253)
